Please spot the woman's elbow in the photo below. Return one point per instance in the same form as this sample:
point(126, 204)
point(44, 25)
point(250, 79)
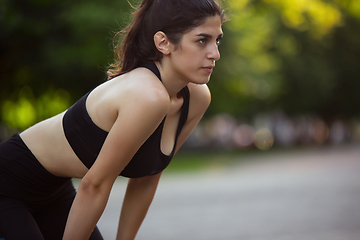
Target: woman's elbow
point(93, 187)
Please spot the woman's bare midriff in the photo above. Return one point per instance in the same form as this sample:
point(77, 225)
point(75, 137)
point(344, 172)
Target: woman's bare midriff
point(47, 142)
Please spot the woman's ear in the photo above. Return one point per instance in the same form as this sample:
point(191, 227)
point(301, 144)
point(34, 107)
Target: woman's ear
point(162, 43)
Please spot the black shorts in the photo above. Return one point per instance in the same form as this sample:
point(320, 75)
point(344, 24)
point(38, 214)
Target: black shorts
point(34, 204)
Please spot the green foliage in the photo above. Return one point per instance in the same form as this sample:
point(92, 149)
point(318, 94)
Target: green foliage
point(301, 56)
point(27, 110)
point(48, 45)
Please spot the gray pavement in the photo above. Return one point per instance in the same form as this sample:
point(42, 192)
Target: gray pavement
point(300, 195)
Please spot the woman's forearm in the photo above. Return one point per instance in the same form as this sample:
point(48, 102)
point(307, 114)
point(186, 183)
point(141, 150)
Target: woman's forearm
point(86, 210)
point(139, 195)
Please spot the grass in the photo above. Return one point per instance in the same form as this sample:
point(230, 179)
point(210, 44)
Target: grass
point(187, 160)
point(200, 160)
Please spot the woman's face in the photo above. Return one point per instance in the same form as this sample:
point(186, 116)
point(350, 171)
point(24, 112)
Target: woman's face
point(193, 59)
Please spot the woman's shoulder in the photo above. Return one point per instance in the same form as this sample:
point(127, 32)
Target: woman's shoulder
point(136, 89)
point(200, 95)
point(144, 83)
point(200, 99)
point(138, 84)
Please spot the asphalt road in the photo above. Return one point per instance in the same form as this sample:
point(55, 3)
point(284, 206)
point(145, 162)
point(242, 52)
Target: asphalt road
point(302, 195)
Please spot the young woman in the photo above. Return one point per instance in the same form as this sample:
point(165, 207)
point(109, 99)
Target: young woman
point(131, 125)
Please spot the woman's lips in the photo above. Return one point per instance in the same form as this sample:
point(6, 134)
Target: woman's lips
point(209, 69)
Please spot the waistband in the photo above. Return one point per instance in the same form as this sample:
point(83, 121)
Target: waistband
point(21, 174)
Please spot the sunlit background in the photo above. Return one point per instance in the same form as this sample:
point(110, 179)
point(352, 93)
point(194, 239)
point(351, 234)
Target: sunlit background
point(287, 83)
point(288, 74)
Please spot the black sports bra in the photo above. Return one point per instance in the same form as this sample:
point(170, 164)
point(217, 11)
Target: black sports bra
point(86, 138)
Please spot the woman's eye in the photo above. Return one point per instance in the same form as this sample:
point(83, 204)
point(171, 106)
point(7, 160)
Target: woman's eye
point(202, 41)
point(218, 41)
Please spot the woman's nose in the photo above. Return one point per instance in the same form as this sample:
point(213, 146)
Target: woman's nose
point(214, 52)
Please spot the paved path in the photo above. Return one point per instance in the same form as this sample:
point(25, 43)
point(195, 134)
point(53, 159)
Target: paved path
point(310, 195)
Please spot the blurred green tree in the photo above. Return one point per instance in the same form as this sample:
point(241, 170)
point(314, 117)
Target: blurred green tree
point(300, 56)
point(52, 52)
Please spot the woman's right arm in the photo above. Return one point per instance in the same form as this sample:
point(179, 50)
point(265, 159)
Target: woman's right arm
point(134, 124)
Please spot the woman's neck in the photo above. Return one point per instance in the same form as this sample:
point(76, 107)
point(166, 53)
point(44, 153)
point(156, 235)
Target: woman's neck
point(172, 82)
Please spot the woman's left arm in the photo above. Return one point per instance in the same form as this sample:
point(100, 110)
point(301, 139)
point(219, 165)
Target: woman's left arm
point(200, 98)
point(138, 197)
point(140, 191)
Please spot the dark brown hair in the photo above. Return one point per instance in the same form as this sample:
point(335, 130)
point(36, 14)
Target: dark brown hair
point(173, 17)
